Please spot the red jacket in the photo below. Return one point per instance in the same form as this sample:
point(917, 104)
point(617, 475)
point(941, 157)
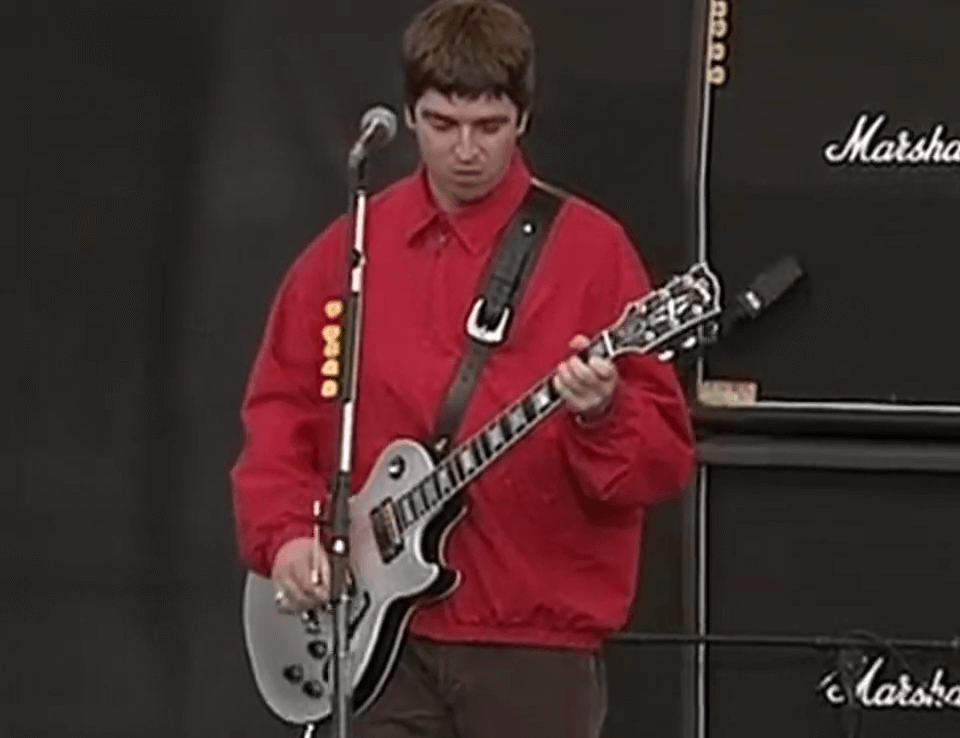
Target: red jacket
point(549, 551)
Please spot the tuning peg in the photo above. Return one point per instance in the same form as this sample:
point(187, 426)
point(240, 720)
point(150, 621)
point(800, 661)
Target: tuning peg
point(690, 342)
point(666, 355)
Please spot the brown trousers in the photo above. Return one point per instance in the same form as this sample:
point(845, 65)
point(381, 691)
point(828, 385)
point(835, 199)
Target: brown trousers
point(465, 691)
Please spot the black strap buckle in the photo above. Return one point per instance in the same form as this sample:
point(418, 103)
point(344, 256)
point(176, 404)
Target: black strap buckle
point(484, 330)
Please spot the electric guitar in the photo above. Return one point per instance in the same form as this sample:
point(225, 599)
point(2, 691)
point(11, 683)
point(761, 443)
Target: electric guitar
point(400, 518)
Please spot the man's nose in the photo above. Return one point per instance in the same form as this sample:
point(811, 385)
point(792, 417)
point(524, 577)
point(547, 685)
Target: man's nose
point(466, 148)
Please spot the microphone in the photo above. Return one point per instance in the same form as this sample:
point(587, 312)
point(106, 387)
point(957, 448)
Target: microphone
point(766, 289)
point(378, 126)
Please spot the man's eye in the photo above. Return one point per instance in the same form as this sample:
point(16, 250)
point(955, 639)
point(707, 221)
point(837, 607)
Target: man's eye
point(490, 128)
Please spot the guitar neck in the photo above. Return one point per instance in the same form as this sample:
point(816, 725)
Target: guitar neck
point(468, 460)
point(655, 322)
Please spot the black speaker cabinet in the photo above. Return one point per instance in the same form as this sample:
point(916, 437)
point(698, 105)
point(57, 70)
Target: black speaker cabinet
point(873, 550)
point(832, 132)
point(649, 683)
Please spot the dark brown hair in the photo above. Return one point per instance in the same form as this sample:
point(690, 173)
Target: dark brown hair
point(469, 48)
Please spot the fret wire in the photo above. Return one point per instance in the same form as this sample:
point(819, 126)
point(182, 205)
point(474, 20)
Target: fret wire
point(529, 411)
point(401, 515)
point(506, 428)
point(406, 510)
point(478, 451)
point(486, 443)
point(398, 511)
point(429, 492)
point(401, 523)
point(466, 461)
point(496, 435)
point(444, 481)
point(532, 402)
point(453, 462)
point(542, 403)
point(481, 455)
point(518, 420)
point(450, 474)
point(420, 505)
point(453, 470)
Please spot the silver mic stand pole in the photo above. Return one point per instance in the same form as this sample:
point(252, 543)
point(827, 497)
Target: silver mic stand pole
point(339, 518)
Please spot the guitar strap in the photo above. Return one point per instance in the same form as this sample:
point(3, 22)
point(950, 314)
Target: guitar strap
point(492, 313)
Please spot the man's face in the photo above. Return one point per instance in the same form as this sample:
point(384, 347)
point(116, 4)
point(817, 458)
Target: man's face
point(466, 145)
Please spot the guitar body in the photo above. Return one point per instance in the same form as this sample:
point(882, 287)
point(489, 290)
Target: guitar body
point(291, 654)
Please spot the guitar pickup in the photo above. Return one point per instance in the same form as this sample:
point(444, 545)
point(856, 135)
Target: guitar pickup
point(386, 530)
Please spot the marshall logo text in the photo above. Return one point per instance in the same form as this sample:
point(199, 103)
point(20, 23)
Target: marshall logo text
point(871, 692)
point(865, 145)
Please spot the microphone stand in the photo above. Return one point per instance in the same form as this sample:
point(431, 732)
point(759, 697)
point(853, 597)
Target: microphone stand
point(339, 511)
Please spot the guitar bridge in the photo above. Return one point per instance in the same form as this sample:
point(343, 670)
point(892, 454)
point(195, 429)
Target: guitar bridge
point(386, 531)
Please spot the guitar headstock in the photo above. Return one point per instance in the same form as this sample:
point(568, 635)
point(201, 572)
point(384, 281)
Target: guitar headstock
point(663, 322)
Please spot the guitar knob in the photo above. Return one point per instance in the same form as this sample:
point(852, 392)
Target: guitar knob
point(317, 649)
point(396, 467)
point(293, 674)
point(311, 622)
point(313, 689)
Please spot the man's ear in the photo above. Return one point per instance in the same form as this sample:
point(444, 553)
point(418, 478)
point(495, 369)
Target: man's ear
point(522, 126)
point(408, 117)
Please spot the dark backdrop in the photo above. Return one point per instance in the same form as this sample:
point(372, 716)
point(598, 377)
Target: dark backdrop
point(167, 162)
point(102, 106)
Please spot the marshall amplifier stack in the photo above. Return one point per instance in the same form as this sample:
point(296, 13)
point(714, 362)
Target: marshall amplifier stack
point(828, 499)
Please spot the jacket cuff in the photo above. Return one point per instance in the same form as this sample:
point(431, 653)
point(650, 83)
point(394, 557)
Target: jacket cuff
point(281, 537)
point(602, 422)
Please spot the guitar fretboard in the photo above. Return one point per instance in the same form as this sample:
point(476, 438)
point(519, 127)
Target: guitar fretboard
point(661, 317)
point(474, 455)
